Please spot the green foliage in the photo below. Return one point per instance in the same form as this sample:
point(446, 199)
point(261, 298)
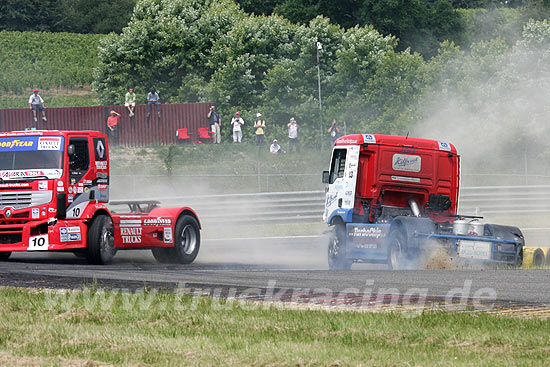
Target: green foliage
point(46, 60)
point(51, 101)
point(77, 16)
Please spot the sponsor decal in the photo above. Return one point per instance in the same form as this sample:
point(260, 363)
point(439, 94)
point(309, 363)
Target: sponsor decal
point(73, 181)
point(49, 143)
point(42, 185)
point(157, 221)
point(369, 138)
point(79, 189)
point(407, 179)
point(86, 189)
point(61, 189)
point(70, 198)
point(101, 164)
point(331, 198)
point(102, 187)
point(368, 236)
point(80, 184)
point(59, 183)
point(70, 189)
point(69, 234)
point(131, 234)
point(87, 182)
point(102, 181)
point(15, 184)
point(130, 222)
point(102, 175)
point(347, 141)
point(51, 210)
point(408, 163)
point(7, 144)
point(167, 234)
point(444, 146)
point(35, 213)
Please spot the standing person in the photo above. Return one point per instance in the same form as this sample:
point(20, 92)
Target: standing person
point(153, 99)
point(236, 122)
point(259, 125)
point(334, 131)
point(112, 124)
point(37, 103)
point(130, 101)
point(215, 124)
point(293, 135)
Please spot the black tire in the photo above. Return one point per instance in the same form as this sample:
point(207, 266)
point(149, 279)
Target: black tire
point(164, 255)
point(100, 249)
point(538, 258)
point(397, 250)
point(187, 240)
point(5, 255)
point(337, 251)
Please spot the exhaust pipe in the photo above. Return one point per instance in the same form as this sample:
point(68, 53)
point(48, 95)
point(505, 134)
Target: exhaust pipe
point(414, 207)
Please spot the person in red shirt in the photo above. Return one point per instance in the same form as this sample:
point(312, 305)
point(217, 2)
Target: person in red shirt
point(112, 124)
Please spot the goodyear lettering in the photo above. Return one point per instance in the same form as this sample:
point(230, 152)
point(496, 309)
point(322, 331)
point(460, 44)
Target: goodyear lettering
point(16, 143)
point(157, 221)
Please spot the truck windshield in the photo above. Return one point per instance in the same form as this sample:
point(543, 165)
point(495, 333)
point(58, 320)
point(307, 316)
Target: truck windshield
point(29, 156)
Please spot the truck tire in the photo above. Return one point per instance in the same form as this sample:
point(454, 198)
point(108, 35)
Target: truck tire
point(397, 250)
point(164, 255)
point(5, 255)
point(337, 251)
point(100, 249)
point(187, 240)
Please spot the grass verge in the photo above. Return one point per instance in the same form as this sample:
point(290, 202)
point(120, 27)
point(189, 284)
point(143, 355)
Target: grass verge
point(39, 328)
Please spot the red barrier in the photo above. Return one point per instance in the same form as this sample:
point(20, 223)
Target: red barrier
point(134, 131)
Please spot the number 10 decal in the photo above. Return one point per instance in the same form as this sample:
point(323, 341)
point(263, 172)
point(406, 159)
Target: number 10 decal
point(38, 243)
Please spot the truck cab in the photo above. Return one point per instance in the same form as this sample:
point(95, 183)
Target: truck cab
point(388, 196)
point(54, 190)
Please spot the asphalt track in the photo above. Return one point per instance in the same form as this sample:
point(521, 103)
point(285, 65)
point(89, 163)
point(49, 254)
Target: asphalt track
point(272, 262)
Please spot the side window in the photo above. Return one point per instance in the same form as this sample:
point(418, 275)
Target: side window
point(79, 162)
point(338, 164)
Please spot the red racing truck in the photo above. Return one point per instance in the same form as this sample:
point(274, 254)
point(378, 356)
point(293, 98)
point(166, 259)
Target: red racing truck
point(54, 190)
point(391, 199)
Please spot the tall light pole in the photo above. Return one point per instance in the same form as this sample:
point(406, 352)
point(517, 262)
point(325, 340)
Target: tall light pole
point(319, 49)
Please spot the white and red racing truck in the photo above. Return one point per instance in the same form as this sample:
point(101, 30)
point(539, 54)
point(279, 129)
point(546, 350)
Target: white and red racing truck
point(54, 187)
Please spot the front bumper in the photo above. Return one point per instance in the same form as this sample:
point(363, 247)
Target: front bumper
point(40, 235)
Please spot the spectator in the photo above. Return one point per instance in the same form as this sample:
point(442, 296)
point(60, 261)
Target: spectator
point(275, 148)
point(236, 122)
point(334, 131)
point(293, 135)
point(130, 101)
point(112, 124)
point(37, 103)
point(215, 124)
point(259, 125)
point(152, 98)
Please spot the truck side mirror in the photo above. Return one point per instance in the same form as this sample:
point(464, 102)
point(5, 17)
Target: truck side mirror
point(61, 205)
point(326, 177)
point(70, 150)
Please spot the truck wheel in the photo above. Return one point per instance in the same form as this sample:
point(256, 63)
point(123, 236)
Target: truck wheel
point(337, 259)
point(5, 255)
point(397, 250)
point(163, 255)
point(187, 240)
point(100, 249)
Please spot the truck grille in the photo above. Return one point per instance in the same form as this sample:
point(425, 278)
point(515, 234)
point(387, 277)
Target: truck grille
point(24, 199)
point(10, 238)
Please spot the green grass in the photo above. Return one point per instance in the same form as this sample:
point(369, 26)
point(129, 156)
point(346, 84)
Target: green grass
point(179, 330)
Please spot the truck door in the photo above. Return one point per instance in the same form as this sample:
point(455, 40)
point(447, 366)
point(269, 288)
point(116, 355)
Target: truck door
point(340, 193)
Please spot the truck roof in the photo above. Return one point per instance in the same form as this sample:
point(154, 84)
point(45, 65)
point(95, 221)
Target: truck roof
point(394, 140)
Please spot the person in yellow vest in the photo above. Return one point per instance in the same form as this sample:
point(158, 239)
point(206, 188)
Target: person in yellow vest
point(259, 125)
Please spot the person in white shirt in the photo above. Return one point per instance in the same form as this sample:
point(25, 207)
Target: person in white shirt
point(293, 135)
point(275, 148)
point(36, 103)
point(236, 122)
